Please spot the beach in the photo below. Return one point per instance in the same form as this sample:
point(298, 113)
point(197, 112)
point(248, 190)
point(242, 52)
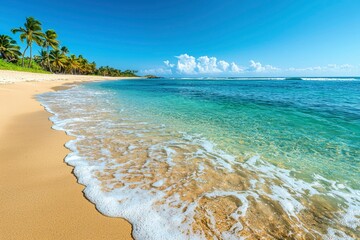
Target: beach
point(230, 121)
point(40, 197)
point(178, 158)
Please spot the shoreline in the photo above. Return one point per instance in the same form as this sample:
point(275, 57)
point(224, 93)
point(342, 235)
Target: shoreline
point(40, 195)
point(11, 77)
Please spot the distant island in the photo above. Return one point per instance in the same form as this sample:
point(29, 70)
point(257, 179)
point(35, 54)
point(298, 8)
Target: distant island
point(293, 78)
point(152, 77)
point(52, 58)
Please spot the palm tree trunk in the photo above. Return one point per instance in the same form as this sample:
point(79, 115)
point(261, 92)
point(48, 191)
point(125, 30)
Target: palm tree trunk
point(48, 59)
point(30, 56)
point(23, 55)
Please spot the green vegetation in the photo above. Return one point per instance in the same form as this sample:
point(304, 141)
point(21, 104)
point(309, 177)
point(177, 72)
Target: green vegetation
point(5, 65)
point(152, 76)
point(51, 58)
point(8, 48)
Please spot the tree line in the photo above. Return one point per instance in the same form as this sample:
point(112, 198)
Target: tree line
point(52, 57)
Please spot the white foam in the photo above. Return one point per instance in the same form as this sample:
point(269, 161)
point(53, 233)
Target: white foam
point(131, 147)
point(158, 183)
point(334, 234)
point(329, 79)
point(105, 152)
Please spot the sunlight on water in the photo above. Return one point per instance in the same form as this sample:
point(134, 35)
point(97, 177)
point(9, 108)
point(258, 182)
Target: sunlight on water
point(227, 159)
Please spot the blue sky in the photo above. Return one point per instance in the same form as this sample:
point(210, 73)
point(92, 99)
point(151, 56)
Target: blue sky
point(195, 38)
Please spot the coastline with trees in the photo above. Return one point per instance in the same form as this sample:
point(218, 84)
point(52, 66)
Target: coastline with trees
point(52, 58)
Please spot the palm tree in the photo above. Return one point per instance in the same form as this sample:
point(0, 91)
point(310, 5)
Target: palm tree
point(106, 71)
point(50, 41)
point(42, 59)
point(64, 50)
point(8, 48)
point(57, 60)
point(72, 64)
point(85, 67)
point(92, 67)
point(32, 33)
point(130, 73)
point(82, 64)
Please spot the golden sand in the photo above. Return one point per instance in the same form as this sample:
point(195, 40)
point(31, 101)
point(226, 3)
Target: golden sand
point(39, 196)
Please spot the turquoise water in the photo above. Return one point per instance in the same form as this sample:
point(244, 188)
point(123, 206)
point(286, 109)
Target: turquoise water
point(218, 158)
point(309, 126)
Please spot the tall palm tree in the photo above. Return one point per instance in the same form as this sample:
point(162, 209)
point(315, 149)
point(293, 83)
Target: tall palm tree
point(57, 60)
point(32, 33)
point(64, 50)
point(8, 48)
point(50, 41)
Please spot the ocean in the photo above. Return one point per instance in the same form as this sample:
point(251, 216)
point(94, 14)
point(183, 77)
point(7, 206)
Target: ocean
point(218, 158)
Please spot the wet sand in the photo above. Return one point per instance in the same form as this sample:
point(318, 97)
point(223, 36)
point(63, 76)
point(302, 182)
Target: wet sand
point(39, 196)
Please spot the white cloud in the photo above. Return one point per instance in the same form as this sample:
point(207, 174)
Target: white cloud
point(258, 67)
point(271, 68)
point(223, 65)
point(341, 66)
point(255, 66)
point(207, 65)
point(307, 69)
point(317, 68)
point(186, 64)
point(346, 66)
point(330, 68)
point(235, 68)
point(168, 64)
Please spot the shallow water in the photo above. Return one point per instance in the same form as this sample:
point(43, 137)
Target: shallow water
point(218, 159)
